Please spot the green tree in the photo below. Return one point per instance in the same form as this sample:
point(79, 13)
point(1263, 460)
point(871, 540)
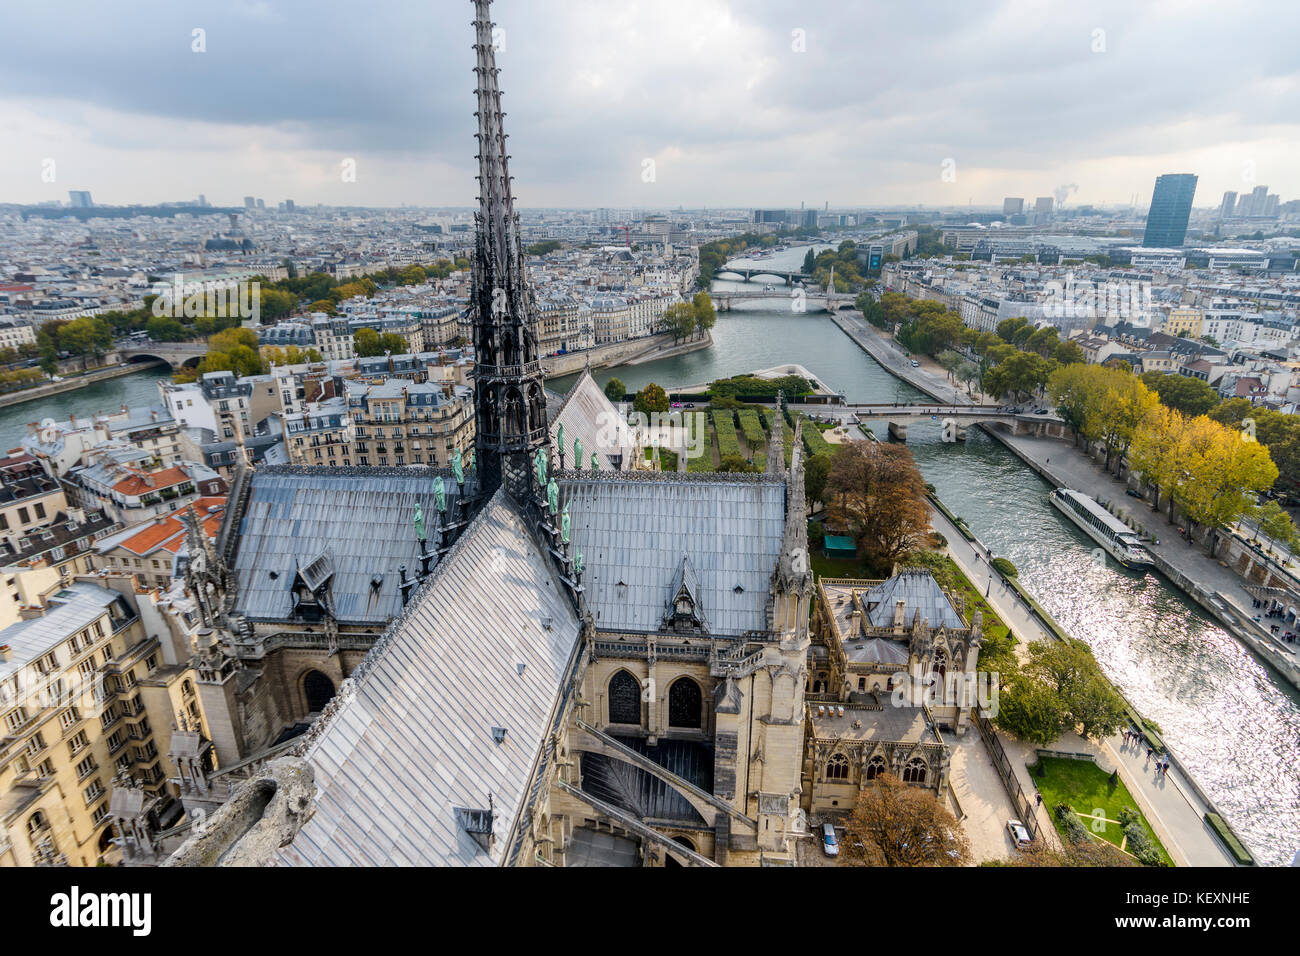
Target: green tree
point(164, 328)
point(816, 470)
point(275, 304)
point(366, 343)
point(704, 313)
point(679, 319)
point(1183, 393)
point(87, 337)
point(1272, 519)
point(651, 399)
point(233, 350)
point(1030, 710)
point(615, 390)
point(1068, 669)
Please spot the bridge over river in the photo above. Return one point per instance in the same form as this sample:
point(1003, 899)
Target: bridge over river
point(900, 415)
point(174, 354)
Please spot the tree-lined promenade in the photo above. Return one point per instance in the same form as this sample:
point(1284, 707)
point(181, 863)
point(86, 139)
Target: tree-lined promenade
point(1211, 461)
point(1211, 472)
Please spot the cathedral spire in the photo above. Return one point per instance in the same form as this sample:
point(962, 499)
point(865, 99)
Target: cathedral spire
point(509, 399)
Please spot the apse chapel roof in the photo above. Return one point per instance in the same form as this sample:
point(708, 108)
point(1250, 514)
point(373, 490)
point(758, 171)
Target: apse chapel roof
point(482, 653)
point(633, 530)
point(295, 516)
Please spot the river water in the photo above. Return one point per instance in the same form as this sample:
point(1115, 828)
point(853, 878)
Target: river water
point(138, 388)
point(1233, 722)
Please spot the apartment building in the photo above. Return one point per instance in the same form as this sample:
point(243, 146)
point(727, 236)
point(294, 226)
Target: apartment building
point(87, 695)
point(407, 423)
point(149, 551)
point(319, 435)
point(29, 498)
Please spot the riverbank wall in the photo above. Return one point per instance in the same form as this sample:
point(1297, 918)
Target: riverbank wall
point(72, 384)
point(634, 352)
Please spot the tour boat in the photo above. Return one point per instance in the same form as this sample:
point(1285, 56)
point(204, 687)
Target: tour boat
point(1116, 538)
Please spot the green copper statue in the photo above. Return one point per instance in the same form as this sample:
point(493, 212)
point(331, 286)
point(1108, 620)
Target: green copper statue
point(559, 438)
point(457, 469)
point(595, 462)
point(471, 459)
point(440, 495)
point(577, 454)
point(564, 524)
point(539, 462)
point(419, 521)
point(553, 496)
point(577, 564)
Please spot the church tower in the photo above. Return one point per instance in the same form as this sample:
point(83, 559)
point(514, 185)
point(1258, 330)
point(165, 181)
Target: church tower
point(509, 399)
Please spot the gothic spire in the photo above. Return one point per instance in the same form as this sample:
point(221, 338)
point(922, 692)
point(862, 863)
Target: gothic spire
point(510, 404)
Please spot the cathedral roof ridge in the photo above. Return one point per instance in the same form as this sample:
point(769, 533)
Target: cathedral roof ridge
point(651, 477)
point(356, 471)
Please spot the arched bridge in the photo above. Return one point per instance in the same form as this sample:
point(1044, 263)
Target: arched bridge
point(788, 276)
point(813, 301)
point(899, 416)
point(174, 354)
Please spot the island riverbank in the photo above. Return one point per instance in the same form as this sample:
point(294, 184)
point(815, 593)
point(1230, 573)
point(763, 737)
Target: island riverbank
point(73, 383)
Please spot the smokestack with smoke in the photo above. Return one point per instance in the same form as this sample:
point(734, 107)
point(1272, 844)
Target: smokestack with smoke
point(1062, 193)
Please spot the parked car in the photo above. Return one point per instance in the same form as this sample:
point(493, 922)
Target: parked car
point(1019, 834)
point(1042, 411)
point(829, 843)
point(1132, 492)
point(915, 364)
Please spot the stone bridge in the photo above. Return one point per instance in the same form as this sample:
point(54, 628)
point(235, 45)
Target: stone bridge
point(788, 276)
point(900, 416)
point(174, 354)
point(812, 301)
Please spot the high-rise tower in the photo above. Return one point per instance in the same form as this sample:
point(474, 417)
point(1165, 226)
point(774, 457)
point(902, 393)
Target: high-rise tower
point(1171, 208)
point(509, 399)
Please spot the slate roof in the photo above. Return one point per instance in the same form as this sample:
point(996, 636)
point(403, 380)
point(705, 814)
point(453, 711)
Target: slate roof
point(916, 588)
point(412, 740)
point(634, 528)
point(293, 514)
point(589, 415)
point(874, 650)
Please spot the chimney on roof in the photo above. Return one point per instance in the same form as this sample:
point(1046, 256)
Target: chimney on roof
point(6, 653)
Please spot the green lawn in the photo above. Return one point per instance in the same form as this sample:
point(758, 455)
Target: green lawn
point(825, 567)
point(1087, 788)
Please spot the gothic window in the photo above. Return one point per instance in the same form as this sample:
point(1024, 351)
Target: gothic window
point(837, 768)
point(875, 767)
point(915, 771)
point(685, 704)
point(624, 699)
point(940, 667)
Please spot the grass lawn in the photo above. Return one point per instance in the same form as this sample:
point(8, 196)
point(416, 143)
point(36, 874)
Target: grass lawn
point(1087, 788)
point(824, 567)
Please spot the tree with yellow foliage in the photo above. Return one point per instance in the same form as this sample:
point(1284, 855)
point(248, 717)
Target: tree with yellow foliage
point(1227, 471)
point(1123, 405)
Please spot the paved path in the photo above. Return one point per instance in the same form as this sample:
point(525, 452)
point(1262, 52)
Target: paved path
point(982, 798)
point(1169, 802)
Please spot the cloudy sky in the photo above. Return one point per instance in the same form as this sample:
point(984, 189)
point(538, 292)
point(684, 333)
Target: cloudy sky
point(737, 102)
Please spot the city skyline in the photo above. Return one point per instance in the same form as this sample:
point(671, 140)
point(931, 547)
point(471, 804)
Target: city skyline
point(1008, 102)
